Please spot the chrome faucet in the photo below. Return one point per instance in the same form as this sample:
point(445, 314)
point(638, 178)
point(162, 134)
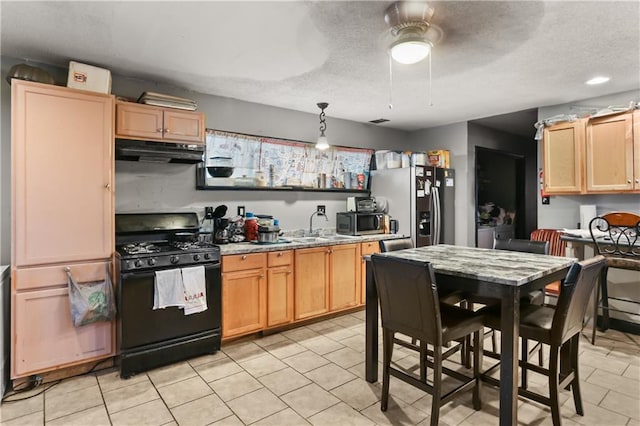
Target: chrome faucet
point(319, 213)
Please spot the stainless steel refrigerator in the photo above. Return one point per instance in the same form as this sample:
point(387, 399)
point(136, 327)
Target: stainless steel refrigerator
point(421, 198)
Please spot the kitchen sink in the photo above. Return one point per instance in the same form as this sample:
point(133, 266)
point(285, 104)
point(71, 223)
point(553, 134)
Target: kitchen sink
point(321, 239)
point(336, 237)
point(307, 239)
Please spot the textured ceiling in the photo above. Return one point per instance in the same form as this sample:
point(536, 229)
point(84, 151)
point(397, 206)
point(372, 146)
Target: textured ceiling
point(495, 58)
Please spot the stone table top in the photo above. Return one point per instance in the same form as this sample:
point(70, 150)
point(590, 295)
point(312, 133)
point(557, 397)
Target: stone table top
point(488, 265)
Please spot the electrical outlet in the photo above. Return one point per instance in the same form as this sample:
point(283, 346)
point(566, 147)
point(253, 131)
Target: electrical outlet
point(208, 212)
point(322, 208)
point(241, 210)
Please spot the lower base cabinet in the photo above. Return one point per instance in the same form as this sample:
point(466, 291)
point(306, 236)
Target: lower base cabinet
point(263, 290)
point(279, 288)
point(311, 291)
point(344, 291)
point(244, 294)
point(366, 249)
point(45, 336)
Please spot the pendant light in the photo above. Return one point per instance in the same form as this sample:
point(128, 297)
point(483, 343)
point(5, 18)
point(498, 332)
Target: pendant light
point(322, 142)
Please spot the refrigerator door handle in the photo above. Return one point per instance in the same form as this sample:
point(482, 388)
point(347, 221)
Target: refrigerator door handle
point(437, 212)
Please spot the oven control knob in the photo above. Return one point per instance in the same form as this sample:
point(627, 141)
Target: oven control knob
point(207, 256)
point(137, 263)
point(196, 257)
point(151, 262)
point(174, 259)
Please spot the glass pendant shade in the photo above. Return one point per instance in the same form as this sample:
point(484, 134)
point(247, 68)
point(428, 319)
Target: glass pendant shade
point(322, 142)
point(410, 51)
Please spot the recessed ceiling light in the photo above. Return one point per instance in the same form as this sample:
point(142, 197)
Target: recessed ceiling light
point(597, 80)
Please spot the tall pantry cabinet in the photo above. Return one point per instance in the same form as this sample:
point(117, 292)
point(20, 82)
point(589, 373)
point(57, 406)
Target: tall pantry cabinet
point(62, 217)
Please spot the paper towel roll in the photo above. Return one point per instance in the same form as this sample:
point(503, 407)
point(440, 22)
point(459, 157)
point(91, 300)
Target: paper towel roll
point(587, 212)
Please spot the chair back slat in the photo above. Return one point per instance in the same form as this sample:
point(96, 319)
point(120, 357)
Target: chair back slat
point(408, 297)
point(556, 245)
point(616, 234)
point(574, 298)
point(527, 246)
point(397, 244)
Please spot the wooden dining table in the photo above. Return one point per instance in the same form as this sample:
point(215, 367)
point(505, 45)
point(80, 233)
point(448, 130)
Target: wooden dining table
point(501, 274)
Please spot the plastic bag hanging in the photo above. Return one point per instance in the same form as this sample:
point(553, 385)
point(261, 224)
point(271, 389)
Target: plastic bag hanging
point(92, 301)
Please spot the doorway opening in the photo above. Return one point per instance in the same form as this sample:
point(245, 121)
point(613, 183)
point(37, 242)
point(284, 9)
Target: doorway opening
point(500, 196)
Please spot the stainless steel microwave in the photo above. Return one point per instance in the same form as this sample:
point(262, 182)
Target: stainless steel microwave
point(354, 223)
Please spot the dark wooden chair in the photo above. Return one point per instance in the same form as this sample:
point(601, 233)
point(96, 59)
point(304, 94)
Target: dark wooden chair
point(409, 305)
point(560, 329)
point(393, 245)
point(616, 236)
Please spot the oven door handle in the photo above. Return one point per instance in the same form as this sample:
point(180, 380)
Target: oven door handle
point(151, 274)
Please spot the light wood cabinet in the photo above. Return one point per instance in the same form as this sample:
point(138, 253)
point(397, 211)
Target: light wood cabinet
point(44, 335)
point(61, 216)
point(311, 292)
point(344, 291)
point(145, 122)
point(326, 279)
point(279, 288)
point(244, 294)
point(610, 154)
point(366, 249)
point(593, 156)
point(562, 158)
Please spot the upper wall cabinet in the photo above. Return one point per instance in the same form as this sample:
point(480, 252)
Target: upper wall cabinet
point(139, 121)
point(609, 149)
point(562, 155)
point(591, 156)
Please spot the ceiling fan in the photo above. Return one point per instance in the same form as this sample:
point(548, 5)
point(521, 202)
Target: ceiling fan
point(412, 36)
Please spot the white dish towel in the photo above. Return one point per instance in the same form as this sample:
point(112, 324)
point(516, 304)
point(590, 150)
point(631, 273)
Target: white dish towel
point(195, 292)
point(168, 289)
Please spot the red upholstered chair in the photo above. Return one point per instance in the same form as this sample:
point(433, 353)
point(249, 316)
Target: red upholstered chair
point(556, 248)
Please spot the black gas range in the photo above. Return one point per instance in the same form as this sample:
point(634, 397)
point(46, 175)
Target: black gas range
point(147, 243)
point(137, 256)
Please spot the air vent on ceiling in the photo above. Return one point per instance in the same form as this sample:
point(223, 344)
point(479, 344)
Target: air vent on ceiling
point(378, 121)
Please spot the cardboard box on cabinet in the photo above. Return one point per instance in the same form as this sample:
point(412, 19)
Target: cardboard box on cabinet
point(439, 158)
point(87, 77)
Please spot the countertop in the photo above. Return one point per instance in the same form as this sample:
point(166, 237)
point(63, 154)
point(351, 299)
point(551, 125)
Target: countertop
point(292, 244)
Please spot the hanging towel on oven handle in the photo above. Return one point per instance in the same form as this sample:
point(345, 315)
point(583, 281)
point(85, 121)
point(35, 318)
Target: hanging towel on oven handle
point(91, 301)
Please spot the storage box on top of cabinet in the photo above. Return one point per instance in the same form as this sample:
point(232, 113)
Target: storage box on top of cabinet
point(88, 77)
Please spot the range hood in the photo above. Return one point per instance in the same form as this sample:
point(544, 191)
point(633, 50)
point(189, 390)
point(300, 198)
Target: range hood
point(158, 152)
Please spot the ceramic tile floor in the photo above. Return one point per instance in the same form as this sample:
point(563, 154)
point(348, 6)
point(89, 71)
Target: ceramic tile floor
point(315, 375)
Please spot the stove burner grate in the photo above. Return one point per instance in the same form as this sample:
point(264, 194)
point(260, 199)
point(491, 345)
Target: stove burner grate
point(140, 248)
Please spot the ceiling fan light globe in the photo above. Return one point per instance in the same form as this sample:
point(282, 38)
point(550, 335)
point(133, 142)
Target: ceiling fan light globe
point(410, 52)
point(322, 143)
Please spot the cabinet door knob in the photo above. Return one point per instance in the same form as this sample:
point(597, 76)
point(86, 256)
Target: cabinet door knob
point(244, 257)
point(637, 180)
point(288, 272)
point(628, 180)
point(107, 185)
point(167, 130)
point(280, 254)
point(159, 130)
